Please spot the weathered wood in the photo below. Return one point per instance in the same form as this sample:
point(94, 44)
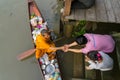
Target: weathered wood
point(94, 26)
point(109, 10)
point(117, 40)
point(67, 7)
point(68, 30)
point(116, 9)
point(78, 71)
point(71, 16)
point(106, 75)
point(79, 14)
point(90, 74)
point(118, 50)
point(100, 11)
point(91, 14)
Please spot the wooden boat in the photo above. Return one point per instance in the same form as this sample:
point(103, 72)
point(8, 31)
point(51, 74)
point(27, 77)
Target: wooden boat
point(50, 68)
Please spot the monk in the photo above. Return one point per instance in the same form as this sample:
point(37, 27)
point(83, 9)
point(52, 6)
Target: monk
point(43, 44)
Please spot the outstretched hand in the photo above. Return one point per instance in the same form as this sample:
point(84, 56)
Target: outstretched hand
point(63, 48)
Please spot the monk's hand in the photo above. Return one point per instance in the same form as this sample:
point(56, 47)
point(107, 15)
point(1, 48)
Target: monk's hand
point(52, 48)
point(56, 48)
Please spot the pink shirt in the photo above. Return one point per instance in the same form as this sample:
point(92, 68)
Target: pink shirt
point(98, 42)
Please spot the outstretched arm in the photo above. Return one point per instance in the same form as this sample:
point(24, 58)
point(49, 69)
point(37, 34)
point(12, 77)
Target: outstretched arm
point(72, 44)
point(65, 48)
point(57, 48)
point(74, 50)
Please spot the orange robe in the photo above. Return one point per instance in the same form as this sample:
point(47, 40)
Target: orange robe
point(43, 47)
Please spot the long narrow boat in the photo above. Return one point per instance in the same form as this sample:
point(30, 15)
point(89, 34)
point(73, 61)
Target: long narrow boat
point(50, 68)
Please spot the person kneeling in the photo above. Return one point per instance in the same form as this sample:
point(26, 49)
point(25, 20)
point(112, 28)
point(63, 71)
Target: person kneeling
point(99, 60)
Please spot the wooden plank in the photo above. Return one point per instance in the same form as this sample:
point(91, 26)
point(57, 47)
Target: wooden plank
point(103, 11)
point(71, 16)
point(116, 9)
point(91, 14)
point(106, 75)
point(116, 37)
point(90, 74)
point(118, 50)
point(109, 10)
point(79, 14)
point(78, 71)
point(67, 7)
point(100, 11)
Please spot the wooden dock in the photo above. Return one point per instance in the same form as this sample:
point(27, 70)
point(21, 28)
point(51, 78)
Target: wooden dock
point(102, 11)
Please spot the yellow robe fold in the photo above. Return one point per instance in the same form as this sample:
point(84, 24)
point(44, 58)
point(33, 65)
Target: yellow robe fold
point(43, 47)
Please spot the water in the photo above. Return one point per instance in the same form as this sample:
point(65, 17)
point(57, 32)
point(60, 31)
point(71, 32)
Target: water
point(50, 11)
